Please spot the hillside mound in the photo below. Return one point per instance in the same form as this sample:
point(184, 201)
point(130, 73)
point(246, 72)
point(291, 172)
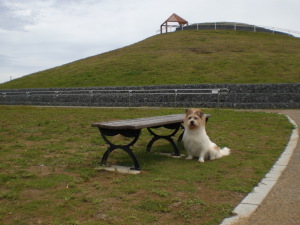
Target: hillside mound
point(186, 57)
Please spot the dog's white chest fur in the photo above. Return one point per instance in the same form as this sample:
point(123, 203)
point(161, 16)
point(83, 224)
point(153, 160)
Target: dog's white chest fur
point(196, 141)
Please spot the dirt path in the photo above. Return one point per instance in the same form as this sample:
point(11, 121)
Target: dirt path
point(282, 205)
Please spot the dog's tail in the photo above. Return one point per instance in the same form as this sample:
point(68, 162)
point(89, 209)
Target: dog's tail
point(225, 151)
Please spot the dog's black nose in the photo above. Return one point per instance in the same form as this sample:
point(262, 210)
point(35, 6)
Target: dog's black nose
point(192, 122)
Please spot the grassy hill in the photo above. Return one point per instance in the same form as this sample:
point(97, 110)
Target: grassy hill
point(185, 57)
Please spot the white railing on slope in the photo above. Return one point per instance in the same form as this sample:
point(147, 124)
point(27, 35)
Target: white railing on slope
point(217, 26)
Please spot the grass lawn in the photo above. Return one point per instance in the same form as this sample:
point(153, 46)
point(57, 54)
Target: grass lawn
point(49, 156)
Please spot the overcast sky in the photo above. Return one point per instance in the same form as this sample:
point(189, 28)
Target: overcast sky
point(40, 34)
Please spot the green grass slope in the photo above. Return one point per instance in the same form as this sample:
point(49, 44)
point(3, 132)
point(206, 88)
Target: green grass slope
point(186, 57)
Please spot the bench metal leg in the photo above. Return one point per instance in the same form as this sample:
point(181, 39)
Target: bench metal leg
point(126, 133)
point(169, 138)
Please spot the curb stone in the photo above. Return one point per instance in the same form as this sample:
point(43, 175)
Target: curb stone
point(250, 203)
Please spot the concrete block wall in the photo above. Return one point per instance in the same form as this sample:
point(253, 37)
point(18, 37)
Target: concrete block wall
point(240, 96)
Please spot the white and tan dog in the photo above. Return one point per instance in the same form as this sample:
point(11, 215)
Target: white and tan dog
point(195, 139)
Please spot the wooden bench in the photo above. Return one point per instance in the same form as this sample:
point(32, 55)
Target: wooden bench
point(132, 128)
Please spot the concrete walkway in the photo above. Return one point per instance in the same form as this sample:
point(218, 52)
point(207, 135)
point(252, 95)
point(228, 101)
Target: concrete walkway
point(276, 200)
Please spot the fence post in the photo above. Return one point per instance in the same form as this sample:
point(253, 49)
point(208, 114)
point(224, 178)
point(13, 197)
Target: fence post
point(91, 96)
point(215, 25)
point(129, 98)
point(27, 96)
point(218, 105)
point(55, 98)
point(175, 98)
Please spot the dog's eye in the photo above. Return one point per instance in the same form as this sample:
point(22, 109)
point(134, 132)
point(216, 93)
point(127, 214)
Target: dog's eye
point(190, 117)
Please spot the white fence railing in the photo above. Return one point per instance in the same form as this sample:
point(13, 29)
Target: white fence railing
point(234, 26)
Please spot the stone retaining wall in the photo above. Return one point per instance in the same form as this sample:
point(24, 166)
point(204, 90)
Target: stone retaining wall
point(240, 96)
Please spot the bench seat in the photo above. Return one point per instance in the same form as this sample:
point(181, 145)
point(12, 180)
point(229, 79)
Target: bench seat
point(140, 123)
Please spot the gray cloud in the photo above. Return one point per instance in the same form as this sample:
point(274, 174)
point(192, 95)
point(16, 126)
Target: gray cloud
point(14, 18)
point(37, 35)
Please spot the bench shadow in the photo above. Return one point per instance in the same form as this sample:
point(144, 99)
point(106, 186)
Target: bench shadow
point(160, 152)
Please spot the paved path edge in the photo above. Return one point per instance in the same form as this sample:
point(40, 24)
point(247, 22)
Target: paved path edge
point(250, 203)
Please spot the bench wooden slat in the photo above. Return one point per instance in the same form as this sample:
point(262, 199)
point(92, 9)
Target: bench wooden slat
point(141, 123)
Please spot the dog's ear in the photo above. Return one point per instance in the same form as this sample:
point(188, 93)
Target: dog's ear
point(200, 113)
point(188, 111)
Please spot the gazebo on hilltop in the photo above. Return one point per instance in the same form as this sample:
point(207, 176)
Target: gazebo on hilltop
point(175, 19)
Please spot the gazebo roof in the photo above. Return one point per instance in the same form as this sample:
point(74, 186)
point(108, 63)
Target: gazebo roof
point(175, 18)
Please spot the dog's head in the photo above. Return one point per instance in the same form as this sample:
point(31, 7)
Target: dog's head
point(194, 118)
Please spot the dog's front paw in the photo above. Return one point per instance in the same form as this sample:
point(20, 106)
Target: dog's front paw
point(201, 160)
point(189, 158)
